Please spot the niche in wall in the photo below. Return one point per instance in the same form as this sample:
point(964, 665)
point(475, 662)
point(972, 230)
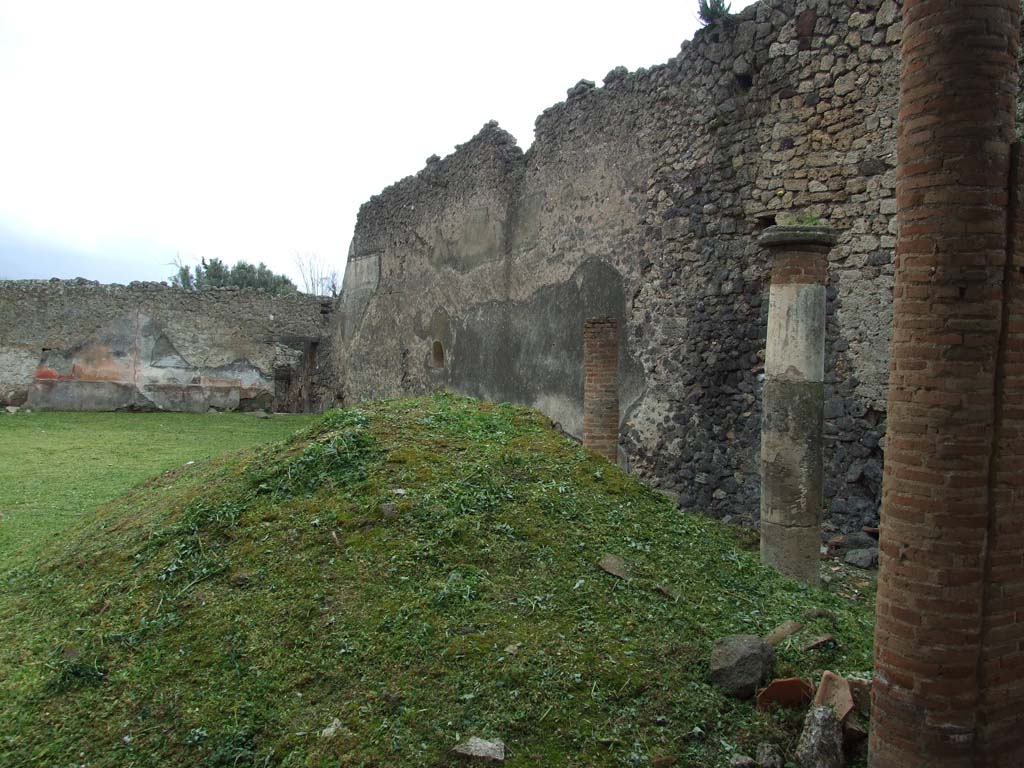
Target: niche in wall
point(437, 355)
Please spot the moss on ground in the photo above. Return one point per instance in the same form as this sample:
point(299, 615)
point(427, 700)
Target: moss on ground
point(416, 572)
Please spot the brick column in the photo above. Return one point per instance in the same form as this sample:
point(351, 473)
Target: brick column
point(1002, 662)
point(793, 401)
point(949, 637)
point(601, 386)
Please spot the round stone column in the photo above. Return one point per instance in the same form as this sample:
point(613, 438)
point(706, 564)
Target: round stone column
point(793, 401)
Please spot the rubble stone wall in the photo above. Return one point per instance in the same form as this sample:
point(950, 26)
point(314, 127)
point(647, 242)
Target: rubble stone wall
point(80, 345)
point(642, 200)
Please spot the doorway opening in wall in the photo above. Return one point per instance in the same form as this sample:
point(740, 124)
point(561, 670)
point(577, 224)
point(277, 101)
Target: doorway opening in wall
point(309, 355)
point(437, 355)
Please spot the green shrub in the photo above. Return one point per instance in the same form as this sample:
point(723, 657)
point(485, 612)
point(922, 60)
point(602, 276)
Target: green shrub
point(711, 11)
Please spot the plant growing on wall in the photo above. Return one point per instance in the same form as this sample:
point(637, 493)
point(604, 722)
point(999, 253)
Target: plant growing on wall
point(800, 219)
point(216, 274)
point(712, 10)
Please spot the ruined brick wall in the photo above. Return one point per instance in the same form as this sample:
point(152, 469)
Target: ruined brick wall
point(642, 200)
point(80, 345)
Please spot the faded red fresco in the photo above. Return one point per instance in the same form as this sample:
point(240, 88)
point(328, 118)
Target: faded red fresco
point(42, 372)
point(94, 363)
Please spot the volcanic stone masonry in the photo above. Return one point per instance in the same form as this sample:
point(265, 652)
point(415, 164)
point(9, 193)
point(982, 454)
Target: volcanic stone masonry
point(79, 345)
point(643, 200)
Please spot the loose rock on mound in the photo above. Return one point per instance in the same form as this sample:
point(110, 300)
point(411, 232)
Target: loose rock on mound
point(394, 581)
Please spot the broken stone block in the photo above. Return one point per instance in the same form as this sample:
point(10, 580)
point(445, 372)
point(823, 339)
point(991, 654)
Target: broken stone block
point(781, 632)
point(821, 742)
point(615, 566)
point(862, 558)
point(481, 749)
point(742, 761)
point(850, 541)
point(740, 664)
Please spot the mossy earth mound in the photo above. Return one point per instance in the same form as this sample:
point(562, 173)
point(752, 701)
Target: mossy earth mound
point(385, 584)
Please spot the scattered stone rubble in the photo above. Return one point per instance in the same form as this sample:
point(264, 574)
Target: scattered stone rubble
point(740, 664)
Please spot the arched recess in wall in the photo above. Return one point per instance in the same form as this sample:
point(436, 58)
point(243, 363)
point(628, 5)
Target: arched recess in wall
point(531, 352)
point(437, 333)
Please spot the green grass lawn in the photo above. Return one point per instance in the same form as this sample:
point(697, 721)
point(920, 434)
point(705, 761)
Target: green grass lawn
point(56, 466)
point(392, 580)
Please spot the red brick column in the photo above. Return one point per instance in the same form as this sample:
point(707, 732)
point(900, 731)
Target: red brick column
point(1002, 663)
point(601, 386)
point(949, 671)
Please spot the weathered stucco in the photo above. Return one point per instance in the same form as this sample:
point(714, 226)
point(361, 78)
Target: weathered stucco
point(79, 345)
point(643, 200)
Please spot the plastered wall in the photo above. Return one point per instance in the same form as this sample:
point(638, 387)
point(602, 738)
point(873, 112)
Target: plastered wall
point(79, 345)
point(642, 199)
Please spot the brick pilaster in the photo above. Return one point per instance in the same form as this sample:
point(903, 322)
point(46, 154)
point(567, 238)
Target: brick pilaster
point(948, 664)
point(601, 386)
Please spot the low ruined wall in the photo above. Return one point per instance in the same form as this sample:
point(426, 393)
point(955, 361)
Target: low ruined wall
point(642, 200)
point(80, 345)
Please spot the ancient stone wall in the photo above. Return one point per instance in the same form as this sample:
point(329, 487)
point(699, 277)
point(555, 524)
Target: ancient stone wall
point(80, 345)
point(642, 200)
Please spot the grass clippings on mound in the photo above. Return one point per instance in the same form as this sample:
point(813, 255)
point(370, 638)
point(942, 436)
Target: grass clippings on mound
point(395, 579)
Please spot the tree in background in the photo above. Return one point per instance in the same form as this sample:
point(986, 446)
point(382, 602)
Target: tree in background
point(216, 274)
point(318, 277)
point(183, 277)
point(712, 10)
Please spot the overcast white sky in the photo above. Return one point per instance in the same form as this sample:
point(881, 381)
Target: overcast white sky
point(132, 132)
